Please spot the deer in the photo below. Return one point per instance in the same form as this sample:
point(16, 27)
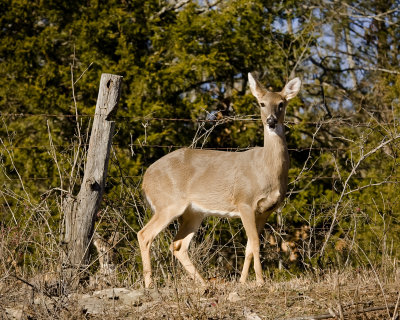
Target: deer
point(191, 184)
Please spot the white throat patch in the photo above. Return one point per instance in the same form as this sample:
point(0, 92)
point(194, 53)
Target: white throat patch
point(279, 130)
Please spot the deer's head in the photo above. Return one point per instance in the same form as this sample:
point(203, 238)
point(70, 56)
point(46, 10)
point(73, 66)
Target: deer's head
point(273, 104)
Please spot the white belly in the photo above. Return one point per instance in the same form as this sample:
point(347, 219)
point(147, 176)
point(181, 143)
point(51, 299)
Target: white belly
point(215, 213)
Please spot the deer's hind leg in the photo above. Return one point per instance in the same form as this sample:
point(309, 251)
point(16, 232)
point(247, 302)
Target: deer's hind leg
point(158, 222)
point(189, 224)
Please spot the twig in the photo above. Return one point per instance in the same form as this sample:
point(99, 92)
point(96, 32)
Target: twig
point(16, 171)
point(83, 73)
point(370, 185)
point(54, 155)
point(9, 208)
point(73, 96)
point(396, 308)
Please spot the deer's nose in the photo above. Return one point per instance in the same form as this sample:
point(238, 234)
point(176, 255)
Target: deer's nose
point(271, 121)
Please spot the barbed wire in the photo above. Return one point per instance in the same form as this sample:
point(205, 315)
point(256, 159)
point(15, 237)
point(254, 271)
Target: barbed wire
point(171, 146)
point(140, 177)
point(48, 115)
point(245, 118)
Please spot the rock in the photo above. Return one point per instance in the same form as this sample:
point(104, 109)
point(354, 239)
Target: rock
point(119, 298)
point(92, 305)
point(101, 300)
point(127, 297)
point(132, 298)
point(113, 293)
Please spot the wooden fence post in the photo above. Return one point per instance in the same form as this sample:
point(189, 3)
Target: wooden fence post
point(80, 212)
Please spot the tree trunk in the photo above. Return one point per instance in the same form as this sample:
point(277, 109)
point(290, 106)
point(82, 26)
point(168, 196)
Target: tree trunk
point(80, 212)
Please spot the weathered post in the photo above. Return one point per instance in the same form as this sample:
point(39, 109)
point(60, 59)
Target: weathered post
point(80, 212)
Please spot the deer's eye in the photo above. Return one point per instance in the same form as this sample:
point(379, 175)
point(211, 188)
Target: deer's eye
point(262, 104)
point(280, 106)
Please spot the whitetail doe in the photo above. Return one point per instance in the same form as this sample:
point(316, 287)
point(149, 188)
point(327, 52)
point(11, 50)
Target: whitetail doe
point(192, 184)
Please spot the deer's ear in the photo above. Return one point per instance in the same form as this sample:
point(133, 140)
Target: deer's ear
point(291, 89)
point(256, 88)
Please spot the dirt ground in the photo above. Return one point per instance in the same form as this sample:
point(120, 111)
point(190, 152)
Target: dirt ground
point(347, 295)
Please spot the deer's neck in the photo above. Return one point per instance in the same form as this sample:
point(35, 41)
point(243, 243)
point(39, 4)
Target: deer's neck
point(275, 149)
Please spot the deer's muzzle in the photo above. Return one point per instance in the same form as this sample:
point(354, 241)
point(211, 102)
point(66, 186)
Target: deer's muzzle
point(272, 121)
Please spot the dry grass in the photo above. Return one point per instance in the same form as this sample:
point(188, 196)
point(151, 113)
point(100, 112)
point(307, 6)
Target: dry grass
point(335, 293)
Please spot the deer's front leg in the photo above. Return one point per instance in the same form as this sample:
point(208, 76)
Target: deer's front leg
point(253, 247)
point(252, 225)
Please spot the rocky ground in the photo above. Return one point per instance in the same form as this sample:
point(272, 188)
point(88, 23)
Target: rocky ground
point(348, 295)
